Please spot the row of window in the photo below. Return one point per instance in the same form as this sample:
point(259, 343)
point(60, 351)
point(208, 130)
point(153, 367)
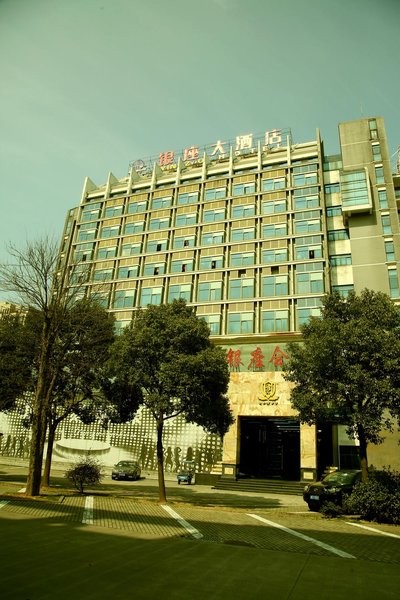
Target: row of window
point(211, 291)
point(303, 223)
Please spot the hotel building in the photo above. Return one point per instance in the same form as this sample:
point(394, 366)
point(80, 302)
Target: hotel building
point(252, 233)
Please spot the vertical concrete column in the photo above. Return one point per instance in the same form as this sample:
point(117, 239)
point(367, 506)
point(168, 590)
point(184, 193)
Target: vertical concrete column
point(308, 452)
point(231, 450)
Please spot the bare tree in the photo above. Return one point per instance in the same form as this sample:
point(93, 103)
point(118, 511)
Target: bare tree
point(33, 279)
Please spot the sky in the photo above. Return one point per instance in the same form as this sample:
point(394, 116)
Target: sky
point(87, 86)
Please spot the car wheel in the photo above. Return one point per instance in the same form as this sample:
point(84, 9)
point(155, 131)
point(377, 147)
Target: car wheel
point(313, 507)
point(179, 482)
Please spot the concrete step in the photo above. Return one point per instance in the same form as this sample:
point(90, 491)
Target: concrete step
point(261, 486)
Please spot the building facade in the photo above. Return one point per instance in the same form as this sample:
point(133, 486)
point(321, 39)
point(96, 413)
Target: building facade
point(252, 233)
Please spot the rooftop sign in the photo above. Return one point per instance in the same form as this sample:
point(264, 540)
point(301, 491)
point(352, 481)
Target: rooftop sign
point(192, 156)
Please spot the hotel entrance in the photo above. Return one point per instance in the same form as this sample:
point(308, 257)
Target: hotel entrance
point(270, 448)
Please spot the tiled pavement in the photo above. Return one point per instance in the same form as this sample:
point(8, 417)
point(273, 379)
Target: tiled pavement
point(144, 518)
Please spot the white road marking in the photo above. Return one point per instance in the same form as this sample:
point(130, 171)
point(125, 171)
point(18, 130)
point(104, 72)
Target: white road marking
point(373, 529)
point(3, 503)
point(192, 530)
point(88, 511)
point(22, 490)
point(303, 537)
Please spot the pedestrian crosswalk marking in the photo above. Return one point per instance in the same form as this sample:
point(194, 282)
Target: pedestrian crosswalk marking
point(302, 536)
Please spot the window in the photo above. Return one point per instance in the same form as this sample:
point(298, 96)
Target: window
point(213, 215)
point(278, 183)
point(373, 130)
point(154, 269)
point(180, 291)
point(304, 179)
point(275, 285)
point(136, 207)
point(389, 249)
point(383, 201)
point(214, 323)
point(109, 232)
point(113, 211)
point(188, 198)
point(186, 219)
point(84, 252)
point(240, 322)
point(91, 212)
point(310, 283)
point(128, 272)
point(157, 245)
point(303, 314)
point(214, 193)
point(135, 227)
point(269, 207)
point(87, 232)
point(334, 211)
point(124, 299)
point(274, 230)
point(242, 259)
point(386, 226)
point(332, 188)
point(275, 320)
point(120, 325)
point(182, 266)
point(241, 288)
point(243, 210)
point(307, 222)
point(184, 242)
point(211, 262)
point(355, 188)
point(239, 235)
point(240, 189)
point(275, 255)
point(150, 296)
point(161, 202)
point(209, 239)
point(306, 197)
point(340, 260)
point(308, 247)
point(376, 152)
point(338, 234)
point(379, 174)
point(393, 283)
point(130, 249)
point(159, 223)
point(108, 252)
point(343, 290)
point(208, 291)
point(103, 275)
point(102, 298)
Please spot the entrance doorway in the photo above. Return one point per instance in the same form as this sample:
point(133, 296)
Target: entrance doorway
point(270, 448)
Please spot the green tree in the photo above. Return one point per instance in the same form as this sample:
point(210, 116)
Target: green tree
point(80, 351)
point(348, 367)
point(168, 353)
point(15, 365)
point(38, 280)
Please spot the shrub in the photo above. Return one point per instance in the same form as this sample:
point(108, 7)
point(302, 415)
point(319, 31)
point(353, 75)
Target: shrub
point(378, 499)
point(331, 510)
point(86, 471)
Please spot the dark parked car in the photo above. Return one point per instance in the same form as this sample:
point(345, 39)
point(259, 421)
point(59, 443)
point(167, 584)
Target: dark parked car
point(126, 469)
point(331, 488)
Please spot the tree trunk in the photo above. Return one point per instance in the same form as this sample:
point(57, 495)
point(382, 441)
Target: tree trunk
point(39, 424)
point(39, 421)
point(49, 454)
point(160, 460)
point(363, 452)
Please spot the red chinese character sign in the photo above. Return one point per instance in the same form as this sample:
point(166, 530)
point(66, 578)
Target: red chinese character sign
point(235, 359)
point(277, 358)
point(256, 363)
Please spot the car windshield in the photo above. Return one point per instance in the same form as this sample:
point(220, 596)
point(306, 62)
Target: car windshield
point(340, 477)
point(125, 465)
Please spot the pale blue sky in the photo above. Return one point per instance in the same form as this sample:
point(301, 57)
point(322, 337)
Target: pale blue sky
point(89, 85)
